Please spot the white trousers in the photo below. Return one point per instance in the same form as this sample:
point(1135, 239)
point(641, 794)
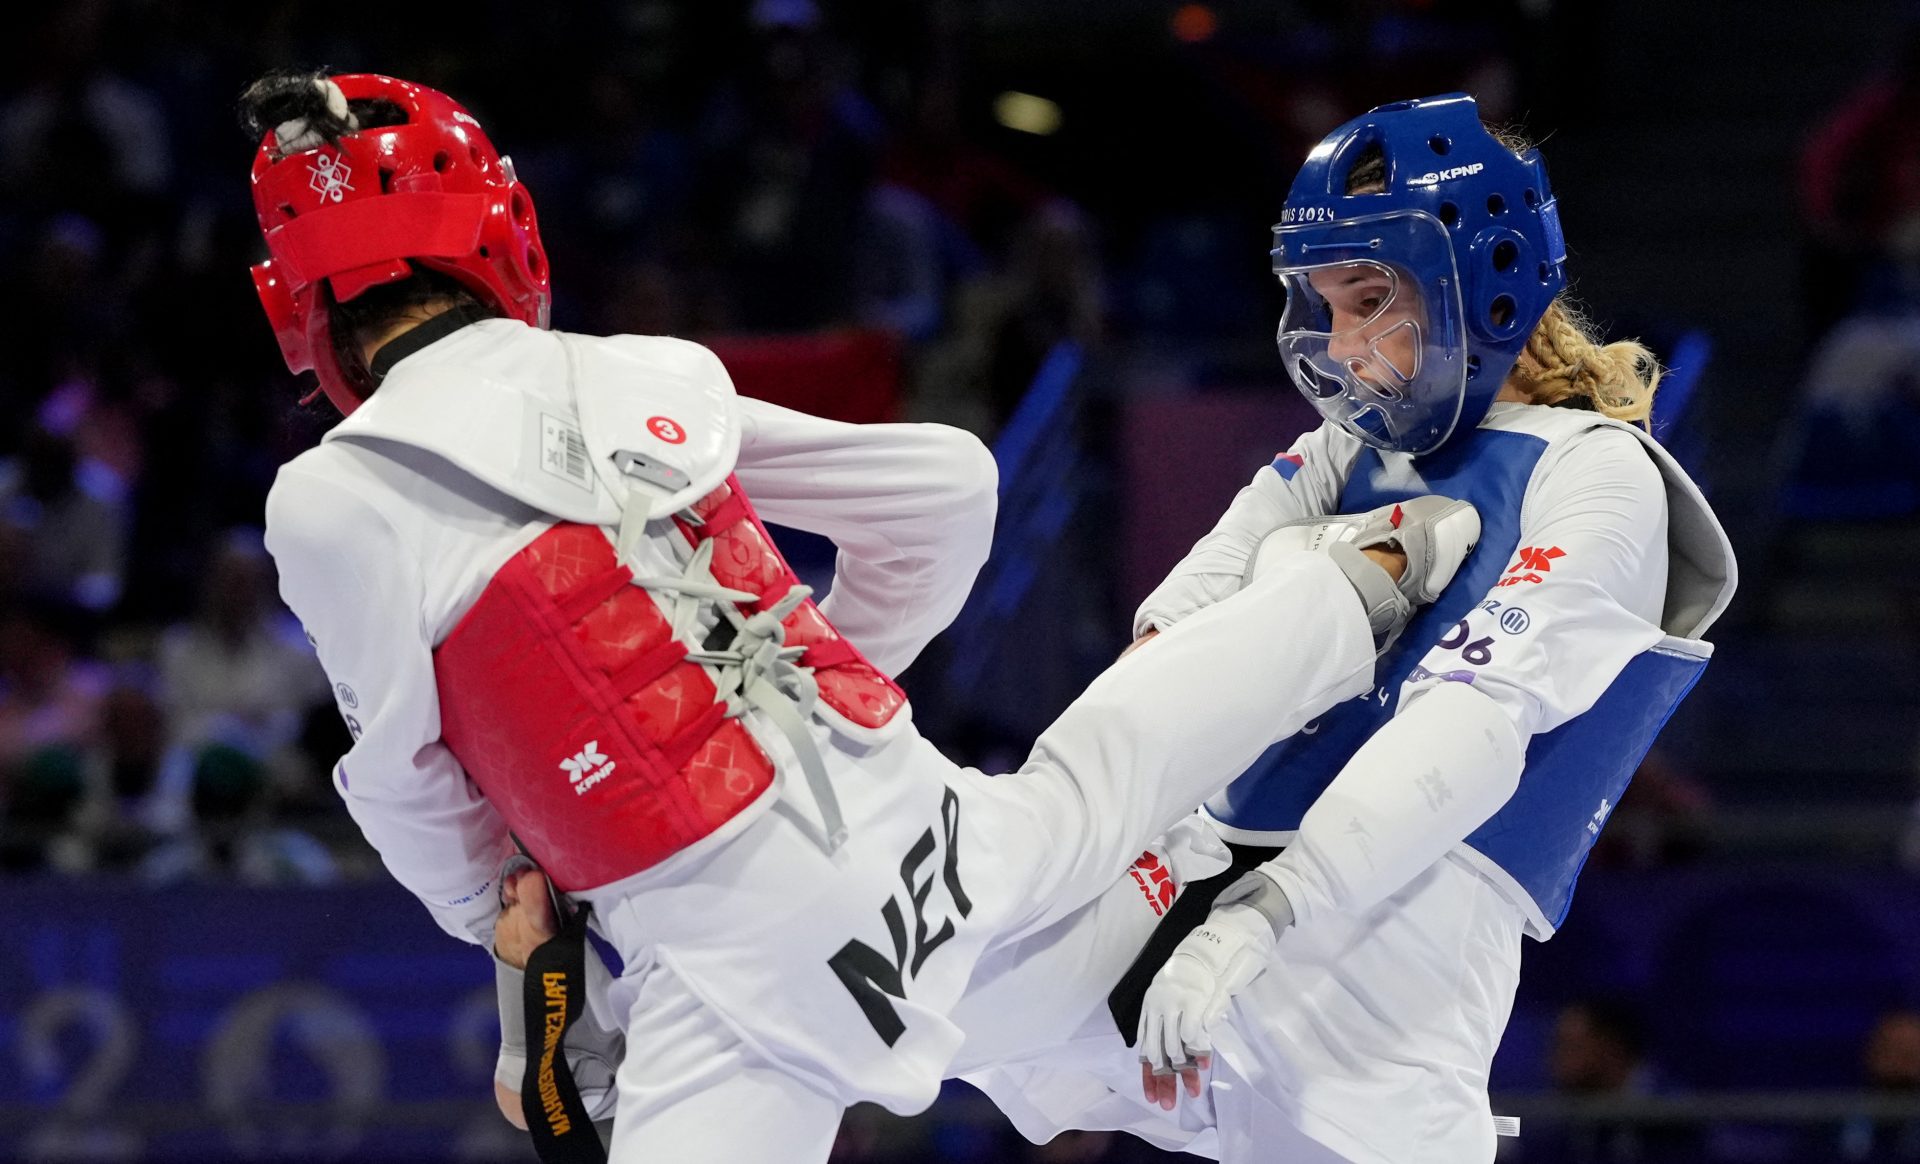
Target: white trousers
point(1367, 1039)
point(770, 985)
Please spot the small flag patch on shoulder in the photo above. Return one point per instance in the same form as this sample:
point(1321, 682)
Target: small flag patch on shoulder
point(1287, 464)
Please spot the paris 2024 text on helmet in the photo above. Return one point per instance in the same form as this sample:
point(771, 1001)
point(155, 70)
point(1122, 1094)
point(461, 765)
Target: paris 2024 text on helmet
point(345, 209)
point(1408, 299)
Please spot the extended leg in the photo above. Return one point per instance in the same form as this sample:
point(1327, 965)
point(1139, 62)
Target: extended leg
point(1172, 723)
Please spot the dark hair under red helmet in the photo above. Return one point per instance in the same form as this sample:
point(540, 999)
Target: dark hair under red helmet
point(341, 219)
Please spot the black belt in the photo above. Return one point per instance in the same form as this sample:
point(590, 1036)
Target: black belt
point(554, 998)
point(1186, 916)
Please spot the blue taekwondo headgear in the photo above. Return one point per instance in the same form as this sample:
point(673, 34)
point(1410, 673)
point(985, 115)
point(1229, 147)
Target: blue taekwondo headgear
point(1406, 308)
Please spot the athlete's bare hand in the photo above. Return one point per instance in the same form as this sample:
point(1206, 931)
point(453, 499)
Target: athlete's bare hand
point(1389, 558)
point(510, 1105)
point(1164, 1090)
point(526, 918)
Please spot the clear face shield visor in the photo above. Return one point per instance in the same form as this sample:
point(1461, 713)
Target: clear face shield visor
point(1371, 333)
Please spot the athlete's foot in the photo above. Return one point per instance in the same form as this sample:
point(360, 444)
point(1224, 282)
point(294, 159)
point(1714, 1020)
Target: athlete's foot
point(1396, 557)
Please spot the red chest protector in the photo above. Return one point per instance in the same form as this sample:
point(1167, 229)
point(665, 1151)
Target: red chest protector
point(568, 701)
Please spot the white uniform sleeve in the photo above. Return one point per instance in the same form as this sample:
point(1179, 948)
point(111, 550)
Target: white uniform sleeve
point(1315, 471)
point(1427, 779)
point(910, 507)
point(1580, 599)
point(347, 576)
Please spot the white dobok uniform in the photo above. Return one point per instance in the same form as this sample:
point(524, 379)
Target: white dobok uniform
point(1370, 1035)
point(743, 1042)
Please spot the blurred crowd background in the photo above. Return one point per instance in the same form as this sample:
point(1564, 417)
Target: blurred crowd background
point(1044, 220)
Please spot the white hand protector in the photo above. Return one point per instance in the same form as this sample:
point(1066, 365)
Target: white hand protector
point(1189, 995)
point(1435, 533)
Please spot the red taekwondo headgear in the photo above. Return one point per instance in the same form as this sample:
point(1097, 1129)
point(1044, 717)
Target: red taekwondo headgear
point(342, 218)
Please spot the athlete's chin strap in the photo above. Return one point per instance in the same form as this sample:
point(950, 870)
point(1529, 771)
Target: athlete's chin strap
point(755, 669)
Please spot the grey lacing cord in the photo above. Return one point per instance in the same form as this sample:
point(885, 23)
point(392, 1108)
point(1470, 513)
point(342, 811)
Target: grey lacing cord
point(756, 670)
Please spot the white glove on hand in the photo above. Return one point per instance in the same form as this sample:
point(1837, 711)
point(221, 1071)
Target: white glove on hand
point(1189, 995)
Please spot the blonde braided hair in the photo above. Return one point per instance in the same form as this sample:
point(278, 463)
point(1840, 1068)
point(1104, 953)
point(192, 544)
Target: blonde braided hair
point(1565, 359)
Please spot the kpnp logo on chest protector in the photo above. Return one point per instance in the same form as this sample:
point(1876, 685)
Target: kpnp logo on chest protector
point(564, 665)
point(587, 768)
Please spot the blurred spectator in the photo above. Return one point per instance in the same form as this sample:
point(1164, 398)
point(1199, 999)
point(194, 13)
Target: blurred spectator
point(1598, 1049)
point(1892, 1058)
point(50, 703)
point(240, 675)
point(88, 803)
point(905, 263)
point(787, 157)
point(1854, 452)
point(115, 822)
point(235, 834)
point(978, 191)
point(1860, 181)
point(1891, 1066)
point(241, 671)
point(1907, 852)
point(78, 135)
point(50, 697)
point(1598, 1054)
point(70, 522)
point(1050, 289)
point(44, 794)
point(635, 175)
point(86, 163)
point(620, 187)
point(943, 202)
point(65, 297)
point(102, 410)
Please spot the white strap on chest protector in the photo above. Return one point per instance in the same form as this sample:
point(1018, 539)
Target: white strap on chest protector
point(755, 670)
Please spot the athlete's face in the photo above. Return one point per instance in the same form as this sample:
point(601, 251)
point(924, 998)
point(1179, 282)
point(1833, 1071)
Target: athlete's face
point(1373, 311)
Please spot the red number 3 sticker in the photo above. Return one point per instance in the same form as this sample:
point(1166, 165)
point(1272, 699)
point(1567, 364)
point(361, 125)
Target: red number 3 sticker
point(667, 430)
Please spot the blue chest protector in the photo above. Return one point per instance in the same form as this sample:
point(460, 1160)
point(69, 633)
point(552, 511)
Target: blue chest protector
point(1573, 775)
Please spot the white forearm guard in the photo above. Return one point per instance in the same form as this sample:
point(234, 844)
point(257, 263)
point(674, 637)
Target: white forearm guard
point(1426, 780)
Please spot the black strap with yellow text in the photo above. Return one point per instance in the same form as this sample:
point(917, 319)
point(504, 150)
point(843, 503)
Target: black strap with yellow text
point(555, 997)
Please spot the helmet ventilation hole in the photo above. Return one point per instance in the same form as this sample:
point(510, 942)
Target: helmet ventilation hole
point(518, 207)
point(473, 152)
point(482, 252)
point(1473, 366)
point(1439, 144)
point(441, 161)
point(536, 263)
point(1533, 198)
point(1496, 204)
point(1449, 213)
point(1505, 255)
point(1500, 311)
point(1546, 272)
